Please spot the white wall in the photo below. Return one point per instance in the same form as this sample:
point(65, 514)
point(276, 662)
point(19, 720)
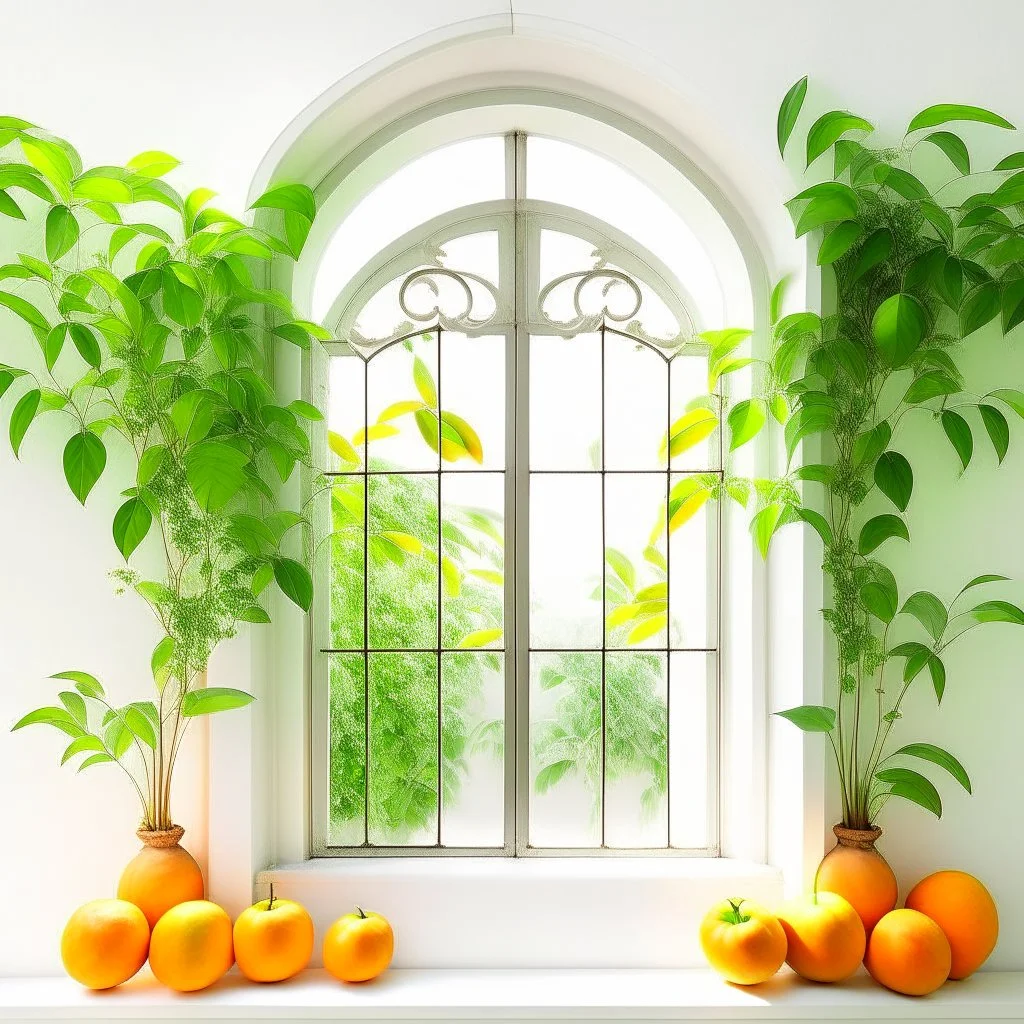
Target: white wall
point(216, 84)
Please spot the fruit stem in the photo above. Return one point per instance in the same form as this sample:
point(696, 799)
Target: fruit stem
point(735, 916)
point(270, 904)
point(359, 911)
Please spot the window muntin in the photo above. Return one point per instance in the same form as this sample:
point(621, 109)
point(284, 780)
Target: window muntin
point(534, 310)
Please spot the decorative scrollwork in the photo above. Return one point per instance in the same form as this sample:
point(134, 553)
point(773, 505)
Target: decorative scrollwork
point(589, 316)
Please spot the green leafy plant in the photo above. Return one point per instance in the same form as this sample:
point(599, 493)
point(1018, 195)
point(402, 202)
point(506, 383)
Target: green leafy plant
point(151, 337)
point(925, 252)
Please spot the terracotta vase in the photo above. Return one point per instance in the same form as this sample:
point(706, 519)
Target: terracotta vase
point(860, 874)
point(161, 875)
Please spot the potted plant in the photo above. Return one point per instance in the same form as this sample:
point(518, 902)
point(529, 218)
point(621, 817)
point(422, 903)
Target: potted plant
point(152, 335)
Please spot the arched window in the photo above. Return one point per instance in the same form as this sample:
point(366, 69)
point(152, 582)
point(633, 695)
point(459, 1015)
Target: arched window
point(518, 647)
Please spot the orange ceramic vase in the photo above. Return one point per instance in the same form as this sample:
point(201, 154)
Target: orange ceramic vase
point(860, 874)
point(161, 875)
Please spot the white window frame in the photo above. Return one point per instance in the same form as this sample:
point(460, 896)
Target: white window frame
point(259, 762)
point(518, 316)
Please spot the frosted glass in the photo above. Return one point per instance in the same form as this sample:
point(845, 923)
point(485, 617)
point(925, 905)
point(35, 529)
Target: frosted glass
point(347, 739)
point(347, 562)
point(565, 749)
point(689, 382)
point(473, 388)
point(692, 585)
point(636, 405)
point(691, 683)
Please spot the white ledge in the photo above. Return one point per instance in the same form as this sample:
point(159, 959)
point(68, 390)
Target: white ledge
point(512, 995)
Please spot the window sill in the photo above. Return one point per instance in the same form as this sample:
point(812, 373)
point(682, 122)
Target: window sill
point(530, 913)
point(515, 996)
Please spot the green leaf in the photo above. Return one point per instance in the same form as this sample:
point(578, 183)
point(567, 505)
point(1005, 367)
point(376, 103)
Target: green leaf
point(777, 298)
point(931, 384)
point(215, 472)
point(255, 614)
point(789, 111)
point(880, 529)
point(424, 382)
point(1014, 399)
point(9, 208)
point(480, 638)
point(22, 416)
point(87, 685)
point(829, 128)
point(551, 775)
point(341, 447)
point(816, 520)
point(928, 610)
point(80, 745)
point(810, 718)
point(85, 458)
point(86, 344)
point(876, 249)
point(305, 410)
point(54, 345)
point(76, 707)
point(880, 600)
point(61, 232)
point(689, 430)
point(902, 182)
point(212, 699)
point(894, 478)
point(940, 113)
point(998, 429)
point(25, 310)
point(979, 308)
point(869, 445)
point(622, 567)
point(1012, 305)
point(836, 206)
point(954, 148)
point(59, 718)
point(153, 163)
point(764, 525)
point(131, 524)
point(294, 580)
point(909, 785)
point(51, 160)
point(161, 659)
point(746, 419)
point(944, 759)
point(838, 242)
point(899, 326)
point(997, 611)
point(958, 431)
point(296, 198)
point(95, 759)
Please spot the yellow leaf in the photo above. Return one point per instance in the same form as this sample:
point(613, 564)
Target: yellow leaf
point(623, 614)
point(452, 451)
point(690, 430)
point(490, 576)
point(376, 433)
point(392, 412)
point(340, 446)
point(653, 592)
point(480, 638)
point(452, 577)
point(648, 628)
point(404, 541)
point(424, 381)
point(688, 508)
point(470, 439)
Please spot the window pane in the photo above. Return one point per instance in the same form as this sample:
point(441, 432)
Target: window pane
point(693, 584)
point(635, 581)
point(473, 571)
point(560, 172)
point(691, 757)
point(636, 734)
point(347, 566)
point(473, 747)
point(346, 410)
point(403, 577)
point(565, 402)
point(403, 749)
point(347, 709)
point(473, 398)
point(565, 749)
point(466, 172)
point(565, 560)
point(689, 383)
point(636, 405)
point(402, 389)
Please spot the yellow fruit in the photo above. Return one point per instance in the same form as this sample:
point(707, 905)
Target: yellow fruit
point(743, 942)
point(965, 911)
point(908, 953)
point(358, 947)
point(104, 943)
point(273, 939)
point(191, 946)
point(825, 936)
point(159, 878)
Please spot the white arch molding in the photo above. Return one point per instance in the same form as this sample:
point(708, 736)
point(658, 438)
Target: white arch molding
point(370, 123)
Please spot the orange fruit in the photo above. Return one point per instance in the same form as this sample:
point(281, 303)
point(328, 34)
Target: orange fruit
point(743, 942)
point(273, 939)
point(157, 879)
point(104, 943)
point(359, 946)
point(191, 946)
point(908, 953)
point(965, 911)
point(863, 878)
point(825, 936)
